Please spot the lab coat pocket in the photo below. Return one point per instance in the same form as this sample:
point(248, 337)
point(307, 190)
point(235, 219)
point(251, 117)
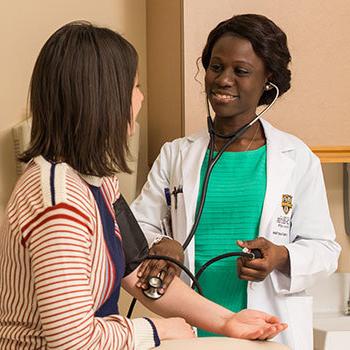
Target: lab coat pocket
point(300, 321)
point(279, 228)
point(178, 217)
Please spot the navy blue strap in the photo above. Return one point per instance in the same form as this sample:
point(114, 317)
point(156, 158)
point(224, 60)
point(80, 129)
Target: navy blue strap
point(52, 183)
point(155, 333)
point(115, 251)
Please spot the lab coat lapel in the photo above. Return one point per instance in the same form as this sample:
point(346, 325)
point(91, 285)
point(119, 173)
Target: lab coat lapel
point(192, 156)
point(279, 169)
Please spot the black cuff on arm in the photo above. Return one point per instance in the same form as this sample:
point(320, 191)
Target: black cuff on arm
point(134, 242)
point(155, 332)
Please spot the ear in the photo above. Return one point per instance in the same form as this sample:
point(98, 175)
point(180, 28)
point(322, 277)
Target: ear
point(268, 76)
point(267, 83)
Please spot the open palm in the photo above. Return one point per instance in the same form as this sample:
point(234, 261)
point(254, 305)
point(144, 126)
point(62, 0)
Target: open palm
point(252, 324)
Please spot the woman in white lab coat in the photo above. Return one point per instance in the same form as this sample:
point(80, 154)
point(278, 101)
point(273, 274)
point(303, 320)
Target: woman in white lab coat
point(272, 175)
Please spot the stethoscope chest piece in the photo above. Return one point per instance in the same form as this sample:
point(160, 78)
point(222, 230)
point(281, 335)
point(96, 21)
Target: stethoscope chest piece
point(155, 283)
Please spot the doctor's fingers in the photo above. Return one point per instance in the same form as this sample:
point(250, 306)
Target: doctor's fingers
point(257, 243)
point(146, 267)
point(255, 264)
point(249, 274)
point(151, 268)
point(160, 266)
point(251, 278)
point(166, 274)
point(168, 277)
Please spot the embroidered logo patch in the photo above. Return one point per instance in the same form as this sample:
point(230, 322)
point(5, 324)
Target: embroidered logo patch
point(287, 203)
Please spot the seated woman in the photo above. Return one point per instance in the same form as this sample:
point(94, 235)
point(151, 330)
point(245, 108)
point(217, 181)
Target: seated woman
point(61, 247)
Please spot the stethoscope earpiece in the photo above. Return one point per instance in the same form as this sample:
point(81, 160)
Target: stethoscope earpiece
point(268, 87)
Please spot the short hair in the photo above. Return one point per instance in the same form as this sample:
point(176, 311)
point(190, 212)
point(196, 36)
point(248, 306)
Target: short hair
point(80, 99)
point(268, 41)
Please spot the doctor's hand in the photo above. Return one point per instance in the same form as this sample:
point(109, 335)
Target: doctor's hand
point(273, 257)
point(253, 324)
point(166, 269)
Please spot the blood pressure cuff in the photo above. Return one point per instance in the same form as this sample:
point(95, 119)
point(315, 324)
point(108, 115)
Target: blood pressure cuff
point(133, 240)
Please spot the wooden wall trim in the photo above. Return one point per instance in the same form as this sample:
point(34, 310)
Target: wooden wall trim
point(336, 154)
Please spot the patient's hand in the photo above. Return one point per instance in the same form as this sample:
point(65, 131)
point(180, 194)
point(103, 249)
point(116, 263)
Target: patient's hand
point(252, 324)
point(173, 328)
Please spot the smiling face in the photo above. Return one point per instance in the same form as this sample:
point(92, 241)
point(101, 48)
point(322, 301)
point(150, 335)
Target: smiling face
point(235, 78)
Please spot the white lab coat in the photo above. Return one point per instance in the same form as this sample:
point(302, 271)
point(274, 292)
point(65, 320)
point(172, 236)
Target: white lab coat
point(306, 230)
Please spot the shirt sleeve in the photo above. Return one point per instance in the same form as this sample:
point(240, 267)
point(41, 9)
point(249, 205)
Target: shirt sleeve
point(150, 207)
point(58, 241)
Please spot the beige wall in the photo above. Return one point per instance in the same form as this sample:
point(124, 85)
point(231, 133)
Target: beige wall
point(317, 106)
point(24, 27)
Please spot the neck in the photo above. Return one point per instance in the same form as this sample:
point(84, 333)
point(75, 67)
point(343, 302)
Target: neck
point(230, 125)
point(253, 137)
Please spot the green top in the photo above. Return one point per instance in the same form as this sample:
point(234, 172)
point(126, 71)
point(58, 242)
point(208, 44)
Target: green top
point(231, 212)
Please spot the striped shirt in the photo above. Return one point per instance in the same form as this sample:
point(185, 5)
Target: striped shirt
point(56, 269)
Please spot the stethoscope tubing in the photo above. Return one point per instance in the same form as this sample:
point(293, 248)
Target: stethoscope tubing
point(212, 160)
point(195, 282)
point(194, 278)
point(211, 163)
point(251, 255)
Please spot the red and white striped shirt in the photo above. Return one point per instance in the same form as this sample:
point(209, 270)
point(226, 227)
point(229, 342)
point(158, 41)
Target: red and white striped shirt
point(53, 260)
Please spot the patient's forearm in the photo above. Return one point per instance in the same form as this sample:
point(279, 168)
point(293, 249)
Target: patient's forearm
point(181, 301)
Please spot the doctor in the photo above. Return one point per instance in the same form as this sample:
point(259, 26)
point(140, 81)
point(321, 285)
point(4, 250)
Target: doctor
point(266, 191)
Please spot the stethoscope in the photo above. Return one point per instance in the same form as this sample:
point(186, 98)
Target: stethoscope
point(212, 160)
point(155, 282)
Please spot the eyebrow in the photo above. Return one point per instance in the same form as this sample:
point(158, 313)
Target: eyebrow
point(238, 61)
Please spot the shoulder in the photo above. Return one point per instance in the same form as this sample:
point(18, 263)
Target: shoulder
point(27, 197)
point(173, 153)
point(290, 145)
point(45, 185)
point(60, 183)
point(47, 192)
point(181, 143)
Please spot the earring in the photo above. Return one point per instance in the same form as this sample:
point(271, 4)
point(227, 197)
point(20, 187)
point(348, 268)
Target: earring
point(268, 86)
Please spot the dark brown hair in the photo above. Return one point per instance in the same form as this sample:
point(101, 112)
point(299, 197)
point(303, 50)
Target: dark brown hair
point(80, 99)
point(269, 43)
